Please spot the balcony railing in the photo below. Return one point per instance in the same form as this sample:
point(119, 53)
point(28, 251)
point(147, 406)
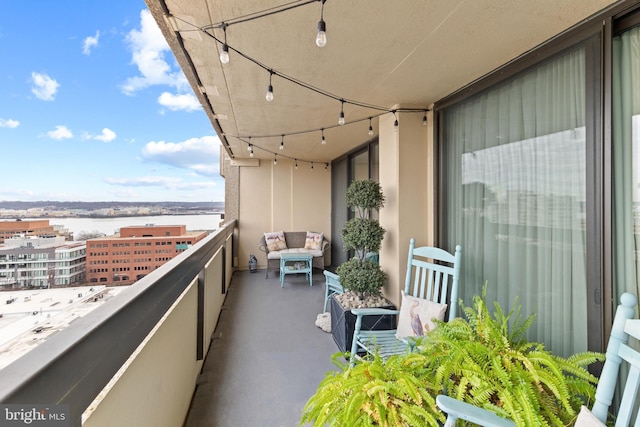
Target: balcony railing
point(148, 343)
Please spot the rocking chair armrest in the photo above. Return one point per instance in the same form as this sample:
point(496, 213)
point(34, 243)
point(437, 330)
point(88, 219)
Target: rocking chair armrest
point(457, 409)
point(373, 311)
point(263, 248)
point(325, 245)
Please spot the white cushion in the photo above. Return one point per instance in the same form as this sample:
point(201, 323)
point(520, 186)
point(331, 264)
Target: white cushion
point(275, 240)
point(313, 241)
point(276, 254)
point(587, 419)
point(416, 316)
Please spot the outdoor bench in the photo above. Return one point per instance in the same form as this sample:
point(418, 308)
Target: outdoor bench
point(294, 242)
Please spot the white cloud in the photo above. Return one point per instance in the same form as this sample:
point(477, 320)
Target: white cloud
point(169, 183)
point(89, 43)
point(145, 181)
point(107, 135)
point(44, 87)
point(187, 101)
point(61, 132)
point(200, 155)
point(148, 48)
point(9, 123)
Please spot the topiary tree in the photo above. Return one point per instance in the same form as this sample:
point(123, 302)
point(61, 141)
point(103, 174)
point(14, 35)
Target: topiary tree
point(363, 235)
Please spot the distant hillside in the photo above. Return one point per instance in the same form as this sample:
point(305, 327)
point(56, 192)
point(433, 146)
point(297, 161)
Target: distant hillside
point(106, 205)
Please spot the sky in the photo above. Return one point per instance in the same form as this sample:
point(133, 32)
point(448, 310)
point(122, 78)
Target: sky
point(94, 107)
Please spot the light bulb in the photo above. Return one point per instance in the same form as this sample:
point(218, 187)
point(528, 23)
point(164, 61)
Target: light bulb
point(324, 140)
point(341, 119)
point(424, 120)
point(251, 153)
point(269, 96)
point(370, 130)
point(395, 126)
point(296, 165)
point(275, 161)
point(224, 55)
point(282, 146)
point(321, 37)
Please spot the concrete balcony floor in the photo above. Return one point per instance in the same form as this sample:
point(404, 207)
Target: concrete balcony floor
point(267, 356)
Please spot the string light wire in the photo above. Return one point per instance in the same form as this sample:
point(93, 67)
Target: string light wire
point(272, 11)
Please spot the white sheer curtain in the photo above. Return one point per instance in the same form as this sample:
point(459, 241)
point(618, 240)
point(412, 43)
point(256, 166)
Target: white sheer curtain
point(515, 192)
point(626, 162)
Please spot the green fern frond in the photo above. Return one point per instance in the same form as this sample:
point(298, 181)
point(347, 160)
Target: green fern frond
point(482, 358)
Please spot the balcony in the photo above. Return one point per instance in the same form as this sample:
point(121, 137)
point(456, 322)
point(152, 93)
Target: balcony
point(191, 344)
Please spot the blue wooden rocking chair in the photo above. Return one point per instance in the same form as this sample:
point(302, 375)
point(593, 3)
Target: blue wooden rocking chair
point(433, 275)
point(332, 286)
point(618, 351)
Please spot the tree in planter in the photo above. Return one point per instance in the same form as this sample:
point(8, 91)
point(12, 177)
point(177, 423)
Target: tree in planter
point(363, 235)
point(482, 359)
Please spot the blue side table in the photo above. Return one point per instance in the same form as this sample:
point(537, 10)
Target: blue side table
point(296, 263)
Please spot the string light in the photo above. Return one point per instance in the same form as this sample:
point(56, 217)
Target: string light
point(267, 13)
point(311, 165)
point(282, 144)
point(275, 159)
point(250, 144)
point(296, 160)
point(224, 55)
point(424, 119)
point(284, 76)
point(269, 95)
point(321, 36)
point(326, 166)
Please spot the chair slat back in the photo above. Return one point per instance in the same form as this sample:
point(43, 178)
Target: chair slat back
point(435, 273)
point(618, 351)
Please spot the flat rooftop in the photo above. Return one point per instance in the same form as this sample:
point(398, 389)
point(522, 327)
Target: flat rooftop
point(29, 317)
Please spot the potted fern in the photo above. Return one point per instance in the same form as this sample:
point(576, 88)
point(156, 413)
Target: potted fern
point(361, 275)
point(482, 359)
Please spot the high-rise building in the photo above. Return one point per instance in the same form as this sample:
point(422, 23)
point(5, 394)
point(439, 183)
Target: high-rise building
point(136, 251)
point(41, 262)
point(38, 227)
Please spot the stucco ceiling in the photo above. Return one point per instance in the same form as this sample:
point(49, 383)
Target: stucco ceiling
point(402, 53)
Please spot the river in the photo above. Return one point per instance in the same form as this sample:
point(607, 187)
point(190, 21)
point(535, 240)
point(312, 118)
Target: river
point(110, 226)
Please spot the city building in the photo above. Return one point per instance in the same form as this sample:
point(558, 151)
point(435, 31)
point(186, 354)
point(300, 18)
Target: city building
point(38, 227)
point(41, 262)
point(136, 251)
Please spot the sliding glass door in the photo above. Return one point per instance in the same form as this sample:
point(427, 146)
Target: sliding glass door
point(626, 161)
point(514, 195)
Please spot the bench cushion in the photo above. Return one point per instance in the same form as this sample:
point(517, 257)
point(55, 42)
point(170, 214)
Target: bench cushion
point(276, 254)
